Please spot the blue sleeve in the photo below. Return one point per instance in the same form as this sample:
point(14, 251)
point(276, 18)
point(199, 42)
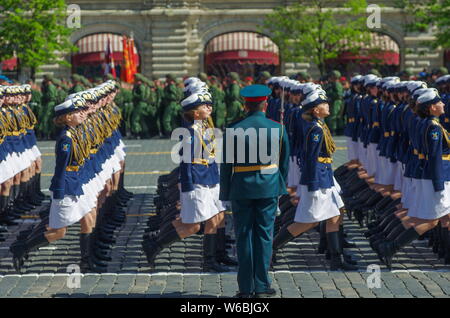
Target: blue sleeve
point(434, 145)
point(313, 142)
point(63, 151)
point(284, 156)
point(186, 165)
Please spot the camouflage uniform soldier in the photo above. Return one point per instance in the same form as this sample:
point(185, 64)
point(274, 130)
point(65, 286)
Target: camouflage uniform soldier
point(140, 97)
point(233, 98)
point(151, 113)
point(49, 101)
point(264, 77)
point(159, 91)
point(76, 84)
point(335, 93)
point(219, 107)
point(172, 109)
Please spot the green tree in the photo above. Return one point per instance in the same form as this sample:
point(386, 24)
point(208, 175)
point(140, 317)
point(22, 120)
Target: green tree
point(430, 14)
point(35, 31)
point(310, 31)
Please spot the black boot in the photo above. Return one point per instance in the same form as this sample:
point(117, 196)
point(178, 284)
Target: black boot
point(337, 261)
point(153, 247)
point(388, 249)
point(447, 253)
point(95, 265)
point(210, 263)
point(443, 245)
point(85, 260)
point(221, 254)
point(38, 187)
point(282, 238)
point(344, 242)
point(437, 237)
point(20, 248)
point(323, 238)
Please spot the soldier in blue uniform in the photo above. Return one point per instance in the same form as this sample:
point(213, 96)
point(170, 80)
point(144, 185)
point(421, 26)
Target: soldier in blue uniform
point(65, 185)
point(253, 187)
point(199, 179)
point(433, 205)
point(319, 197)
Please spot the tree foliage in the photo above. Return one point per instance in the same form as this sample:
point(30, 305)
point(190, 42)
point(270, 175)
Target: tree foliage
point(35, 31)
point(430, 14)
point(311, 32)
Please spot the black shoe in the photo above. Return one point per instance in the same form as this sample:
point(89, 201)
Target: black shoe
point(388, 249)
point(337, 261)
point(151, 249)
point(243, 295)
point(221, 253)
point(270, 292)
point(210, 263)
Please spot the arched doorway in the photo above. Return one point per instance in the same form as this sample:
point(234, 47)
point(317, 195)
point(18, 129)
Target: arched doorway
point(246, 53)
point(91, 59)
point(381, 52)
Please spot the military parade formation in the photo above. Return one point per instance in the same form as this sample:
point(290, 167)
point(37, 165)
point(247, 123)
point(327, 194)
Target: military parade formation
point(396, 181)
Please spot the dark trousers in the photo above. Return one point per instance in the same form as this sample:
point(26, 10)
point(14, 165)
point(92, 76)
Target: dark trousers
point(253, 224)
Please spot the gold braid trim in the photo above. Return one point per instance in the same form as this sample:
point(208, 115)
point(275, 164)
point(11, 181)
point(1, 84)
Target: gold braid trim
point(329, 142)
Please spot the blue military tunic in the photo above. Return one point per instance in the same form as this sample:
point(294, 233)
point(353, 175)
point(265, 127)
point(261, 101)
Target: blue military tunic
point(66, 180)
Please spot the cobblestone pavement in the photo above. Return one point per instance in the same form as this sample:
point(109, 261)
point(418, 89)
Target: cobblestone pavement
point(300, 271)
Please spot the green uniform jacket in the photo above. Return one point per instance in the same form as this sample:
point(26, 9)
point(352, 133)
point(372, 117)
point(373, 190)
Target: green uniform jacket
point(76, 89)
point(234, 102)
point(254, 184)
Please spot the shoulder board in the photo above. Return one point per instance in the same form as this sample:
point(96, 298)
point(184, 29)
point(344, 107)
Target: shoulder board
point(68, 134)
point(375, 100)
point(435, 122)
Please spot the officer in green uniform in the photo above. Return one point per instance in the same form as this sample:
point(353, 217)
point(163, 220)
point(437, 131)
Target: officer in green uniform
point(171, 108)
point(233, 98)
point(335, 92)
point(253, 189)
point(76, 84)
point(141, 94)
point(49, 101)
point(61, 89)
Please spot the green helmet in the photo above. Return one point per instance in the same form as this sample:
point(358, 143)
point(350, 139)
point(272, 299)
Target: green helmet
point(234, 76)
point(202, 76)
point(335, 73)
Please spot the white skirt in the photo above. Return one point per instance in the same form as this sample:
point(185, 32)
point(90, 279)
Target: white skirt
point(36, 151)
point(372, 158)
point(407, 189)
point(6, 169)
point(352, 149)
point(388, 172)
point(362, 154)
point(65, 212)
point(318, 205)
point(201, 204)
point(294, 172)
point(431, 205)
point(398, 173)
